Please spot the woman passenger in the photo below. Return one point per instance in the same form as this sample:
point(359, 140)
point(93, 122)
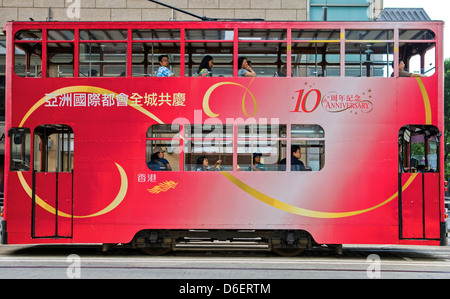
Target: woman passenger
point(205, 66)
point(244, 70)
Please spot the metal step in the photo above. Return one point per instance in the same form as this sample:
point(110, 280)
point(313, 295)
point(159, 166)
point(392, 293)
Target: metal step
point(252, 245)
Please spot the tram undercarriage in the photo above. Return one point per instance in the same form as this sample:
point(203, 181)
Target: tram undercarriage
point(284, 243)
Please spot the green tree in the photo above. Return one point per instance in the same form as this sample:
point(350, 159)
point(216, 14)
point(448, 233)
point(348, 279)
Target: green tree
point(446, 115)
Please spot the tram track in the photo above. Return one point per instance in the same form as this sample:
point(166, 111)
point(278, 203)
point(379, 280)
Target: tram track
point(349, 251)
point(52, 260)
point(229, 268)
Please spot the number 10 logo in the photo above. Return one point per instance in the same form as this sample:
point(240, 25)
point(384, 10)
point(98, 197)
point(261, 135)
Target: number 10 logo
point(301, 105)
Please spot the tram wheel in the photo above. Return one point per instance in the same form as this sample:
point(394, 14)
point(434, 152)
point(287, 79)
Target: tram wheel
point(156, 250)
point(288, 252)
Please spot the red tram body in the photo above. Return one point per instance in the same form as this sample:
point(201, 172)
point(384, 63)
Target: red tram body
point(78, 146)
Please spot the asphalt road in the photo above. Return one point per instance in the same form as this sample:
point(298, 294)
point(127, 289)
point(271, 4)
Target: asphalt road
point(89, 262)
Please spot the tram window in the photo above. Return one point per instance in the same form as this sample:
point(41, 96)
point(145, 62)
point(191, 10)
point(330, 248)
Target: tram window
point(209, 34)
point(103, 59)
point(166, 138)
point(266, 141)
point(266, 59)
point(316, 59)
point(313, 34)
point(262, 34)
point(307, 131)
point(416, 34)
point(419, 58)
point(60, 35)
point(222, 54)
point(60, 61)
point(214, 42)
point(315, 53)
point(28, 35)
point(213, 141)
point(369, 59)
point(28, 59)
point(312, 146)
point(264, 49)
point(312, 154)
point(20, 149)
point(369, 35)
point(156, 34)
point(103, 35)
point(419, 148)
point(369, 53)
point(53, 148)
point(145, 58)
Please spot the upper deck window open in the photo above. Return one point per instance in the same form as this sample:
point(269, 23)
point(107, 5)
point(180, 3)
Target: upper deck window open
point(60, 59)
point(61, 35)
point(418, 51)
point(148, 45)
point(103, 35)
point(145, 57)
point(60, 53)
point(28, 59)
point(370, 35)
point(262, 34)
point(218, 43)
point(29, 35)
point(369, 53)
point(28, 53)
point(310, 52)
point(313, 34)
point(206, 34)
point(315, 53)
point(156, 34)
point(103, 59)
point(265, 50)
point(416, 34)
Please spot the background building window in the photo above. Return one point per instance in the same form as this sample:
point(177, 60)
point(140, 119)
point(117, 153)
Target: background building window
point(340, 10)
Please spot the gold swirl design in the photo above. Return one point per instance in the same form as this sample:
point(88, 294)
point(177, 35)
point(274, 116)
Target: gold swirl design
point(206, 97)
point(426, 101)
point(305, 212)
point(249, 190)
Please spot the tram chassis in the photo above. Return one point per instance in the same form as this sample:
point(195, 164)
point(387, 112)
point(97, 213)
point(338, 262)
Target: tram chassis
point(282, 242)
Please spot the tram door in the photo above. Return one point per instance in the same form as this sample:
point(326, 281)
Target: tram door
point(52, 197)
point(419, 211)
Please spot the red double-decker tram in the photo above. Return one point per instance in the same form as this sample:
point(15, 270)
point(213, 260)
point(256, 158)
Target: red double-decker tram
point(291, 134)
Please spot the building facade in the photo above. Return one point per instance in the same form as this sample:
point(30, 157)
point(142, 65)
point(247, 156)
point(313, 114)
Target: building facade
point(144, 10)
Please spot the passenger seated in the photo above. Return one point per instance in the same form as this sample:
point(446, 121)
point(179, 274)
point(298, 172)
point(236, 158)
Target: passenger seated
point(203, 164)
point(163, 70)
point(296, 164)
point(257, 165)
point(157, 162)
point(403, 73)
point(244, 69)
point(205, 66)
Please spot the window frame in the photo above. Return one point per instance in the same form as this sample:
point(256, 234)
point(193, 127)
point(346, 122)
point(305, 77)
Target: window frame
point(25, 149)
point(241, 36)
point(181, 138)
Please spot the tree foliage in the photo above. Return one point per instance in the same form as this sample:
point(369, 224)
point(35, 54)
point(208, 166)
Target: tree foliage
point(446, 115)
